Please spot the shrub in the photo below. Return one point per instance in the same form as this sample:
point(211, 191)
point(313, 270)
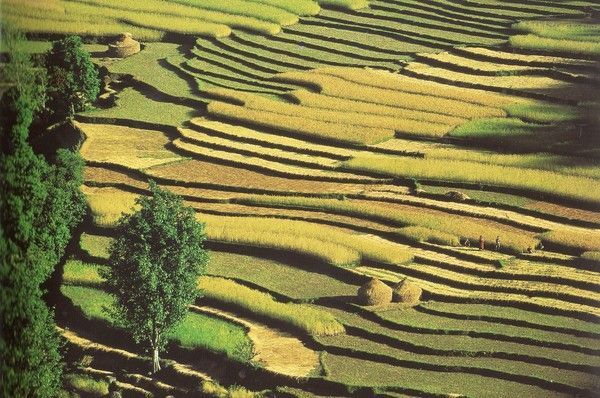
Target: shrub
point(73, 82)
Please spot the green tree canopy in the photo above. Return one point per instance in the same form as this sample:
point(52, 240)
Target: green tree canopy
point(155, 263)
point(40, 204)
point(73, 81)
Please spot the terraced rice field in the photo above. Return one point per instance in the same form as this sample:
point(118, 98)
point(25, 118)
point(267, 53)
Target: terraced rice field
point(328, 142)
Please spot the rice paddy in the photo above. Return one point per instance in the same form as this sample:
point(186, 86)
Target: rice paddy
point(328, 142)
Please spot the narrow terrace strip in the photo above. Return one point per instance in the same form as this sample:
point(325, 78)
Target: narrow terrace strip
point(277, 351)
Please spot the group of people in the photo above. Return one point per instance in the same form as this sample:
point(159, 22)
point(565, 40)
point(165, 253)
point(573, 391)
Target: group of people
point(482, 243)
point(467, 243)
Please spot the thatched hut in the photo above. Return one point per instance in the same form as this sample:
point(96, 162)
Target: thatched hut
point(123, 46)
point(406, 292)
point(374, 292)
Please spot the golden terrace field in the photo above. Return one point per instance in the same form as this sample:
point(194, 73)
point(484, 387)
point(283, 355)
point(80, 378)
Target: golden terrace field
point(325, 143)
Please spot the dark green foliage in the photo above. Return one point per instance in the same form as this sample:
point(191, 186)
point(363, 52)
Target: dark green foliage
point(73, 81)
point(39, 206)
point(155, 263)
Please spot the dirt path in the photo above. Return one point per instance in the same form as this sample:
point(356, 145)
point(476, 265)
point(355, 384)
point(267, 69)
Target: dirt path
point(278, 351)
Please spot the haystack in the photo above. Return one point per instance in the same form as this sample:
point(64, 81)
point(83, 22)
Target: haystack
point(123, 47)
point(407, 292)
point(457, 196)
point(374, 292)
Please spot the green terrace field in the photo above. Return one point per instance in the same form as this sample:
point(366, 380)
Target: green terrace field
point(325, 143)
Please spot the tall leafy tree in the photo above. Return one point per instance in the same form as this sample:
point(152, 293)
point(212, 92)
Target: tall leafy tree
point(38, 209)
point(155, 263)
point(73, 81)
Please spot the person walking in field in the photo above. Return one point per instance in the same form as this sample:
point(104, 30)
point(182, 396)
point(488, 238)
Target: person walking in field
point(498, 243)
point(481, 243)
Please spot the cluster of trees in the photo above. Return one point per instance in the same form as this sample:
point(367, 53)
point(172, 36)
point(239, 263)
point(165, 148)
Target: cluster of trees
point(154, 262)
point(40, 205)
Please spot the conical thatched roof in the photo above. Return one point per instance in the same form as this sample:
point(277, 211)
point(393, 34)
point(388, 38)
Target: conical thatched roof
point(375, 292)
point(407, 292)
point(124, 46)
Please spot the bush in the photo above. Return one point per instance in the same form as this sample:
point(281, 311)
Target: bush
point(73, 82)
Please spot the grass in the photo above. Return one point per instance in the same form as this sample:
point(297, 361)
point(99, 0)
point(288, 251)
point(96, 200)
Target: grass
point(298, 7)
point(581, 241)
point(345, 4)
point(195, 331)
point(299, 316)
point(277, 276)
point(130, 147)
point(251, 9)
point(244, 134)
point(85, 384)
point(108, 204)
point(533, 59)
point(339, 117)
point(416, 224)
point(72, 17)
point(327, 252)
point(476, 366)
point(289, 156)
point(321, 101)
point(95, 245)
point(334, 245)
point(539, 112)
point(512, 133)
point(298, 125)
point(580, 189)
point(483, 311)
point(78, 273)
point(472, 335)
point(214, 390)
point(148, 67)
point(361, 372)
point(133, 105)
point(562, 46)
point(402, 83)
point(551, 88)
point(151, 19)
point(222, 175)
point(337, 87)
point(579, 30)
point(423, 234)
point(204, 331)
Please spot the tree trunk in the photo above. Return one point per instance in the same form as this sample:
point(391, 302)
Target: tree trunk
point(155, 361)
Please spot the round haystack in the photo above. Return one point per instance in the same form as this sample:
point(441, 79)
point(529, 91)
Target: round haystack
point(374, 292)
point(124, 46)
point(407, 292)
point(457, 196)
